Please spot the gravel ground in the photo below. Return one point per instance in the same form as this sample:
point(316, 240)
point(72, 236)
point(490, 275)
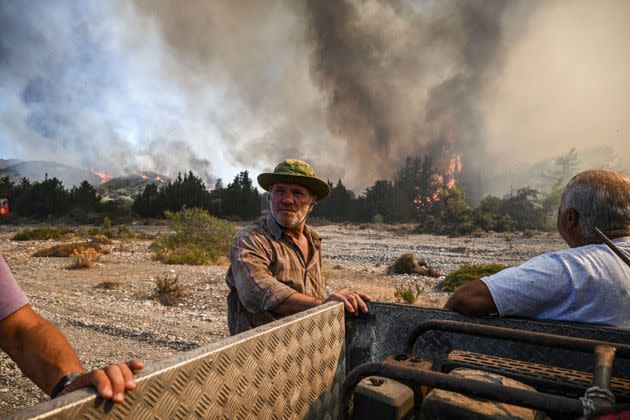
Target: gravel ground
point(128, 321)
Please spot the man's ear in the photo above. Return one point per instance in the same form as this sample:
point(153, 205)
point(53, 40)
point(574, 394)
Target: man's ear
point(313, 203)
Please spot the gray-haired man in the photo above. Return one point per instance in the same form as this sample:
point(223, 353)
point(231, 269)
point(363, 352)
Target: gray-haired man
point(585, 283)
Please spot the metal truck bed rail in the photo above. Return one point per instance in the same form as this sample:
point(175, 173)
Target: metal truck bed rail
point(295, 367)
point(389, 328)
point(291, 368)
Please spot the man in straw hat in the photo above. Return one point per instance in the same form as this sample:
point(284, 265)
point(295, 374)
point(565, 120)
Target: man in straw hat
point(275, 263)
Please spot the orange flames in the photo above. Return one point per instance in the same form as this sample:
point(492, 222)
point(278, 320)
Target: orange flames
point(156, 178)
point(447, 181)
point(104, 176)
point(454, 168)
point(449, 166)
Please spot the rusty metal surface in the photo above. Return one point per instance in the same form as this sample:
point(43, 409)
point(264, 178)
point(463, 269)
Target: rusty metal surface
point(602, 349)
point(542, 377)
point(554, 405)
point(289, 369)
point(388, 328)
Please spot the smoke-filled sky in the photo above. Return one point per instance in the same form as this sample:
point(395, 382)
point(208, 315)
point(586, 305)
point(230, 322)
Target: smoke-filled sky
point(353, 86)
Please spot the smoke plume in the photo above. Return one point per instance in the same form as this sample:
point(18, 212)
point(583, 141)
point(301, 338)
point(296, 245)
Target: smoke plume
point(352, 86)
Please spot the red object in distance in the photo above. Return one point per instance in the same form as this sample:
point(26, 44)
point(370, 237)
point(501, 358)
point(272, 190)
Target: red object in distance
point(4, 206)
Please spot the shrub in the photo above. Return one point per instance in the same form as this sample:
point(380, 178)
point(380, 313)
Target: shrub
point(198, 239)
point(84, 258)
point(41, 234)
point(168, 290)
point(101, 239)
point(93, 231)
point(124, 232)
point(406, 294)
point(468, 272)
point(106, 229)
point(189, 255)
point(407, 264)
point(66, 250)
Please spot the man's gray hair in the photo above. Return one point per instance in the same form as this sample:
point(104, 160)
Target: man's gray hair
point(601, 198)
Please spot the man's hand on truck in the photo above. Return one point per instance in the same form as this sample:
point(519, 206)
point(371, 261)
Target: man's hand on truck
point(353, 301)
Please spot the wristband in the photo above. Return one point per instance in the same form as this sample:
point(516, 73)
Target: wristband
point(64, 382)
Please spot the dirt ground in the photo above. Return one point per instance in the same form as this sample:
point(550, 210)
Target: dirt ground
point(125, 319)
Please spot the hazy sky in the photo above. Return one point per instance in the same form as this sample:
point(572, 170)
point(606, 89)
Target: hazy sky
point(351, 86)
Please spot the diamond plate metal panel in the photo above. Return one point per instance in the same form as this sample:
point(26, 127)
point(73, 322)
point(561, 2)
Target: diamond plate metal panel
point(289, 369)
point(387, 329)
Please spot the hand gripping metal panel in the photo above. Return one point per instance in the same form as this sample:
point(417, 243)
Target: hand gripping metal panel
point(289, 369)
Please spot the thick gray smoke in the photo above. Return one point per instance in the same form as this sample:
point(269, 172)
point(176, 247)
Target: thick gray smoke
point(352, 86)
point(79, 86)
point(405, 78)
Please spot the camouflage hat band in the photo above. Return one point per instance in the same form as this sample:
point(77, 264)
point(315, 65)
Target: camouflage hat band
point(294, 171)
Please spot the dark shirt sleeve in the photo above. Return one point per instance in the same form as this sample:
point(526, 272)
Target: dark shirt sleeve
point(258, 290)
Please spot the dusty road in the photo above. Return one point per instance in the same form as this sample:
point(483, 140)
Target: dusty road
point(127, 321)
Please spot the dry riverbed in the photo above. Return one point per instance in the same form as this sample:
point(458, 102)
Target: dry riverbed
point(126, 320)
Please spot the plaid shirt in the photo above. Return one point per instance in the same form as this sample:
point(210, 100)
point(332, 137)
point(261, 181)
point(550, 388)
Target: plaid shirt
point(266, 267)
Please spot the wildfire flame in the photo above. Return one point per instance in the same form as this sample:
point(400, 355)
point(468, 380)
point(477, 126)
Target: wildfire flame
point(447, 181)
point(104, 176)
point(454, 168)
point(445, 178)
point(146, 177)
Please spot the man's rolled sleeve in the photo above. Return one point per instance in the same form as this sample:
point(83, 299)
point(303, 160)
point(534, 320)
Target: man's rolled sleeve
point(258, 289)
point(534, 289)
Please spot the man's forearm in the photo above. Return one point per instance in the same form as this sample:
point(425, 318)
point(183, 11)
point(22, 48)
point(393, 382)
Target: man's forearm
point(297, 302)
point(38, 347)
point(473, 298)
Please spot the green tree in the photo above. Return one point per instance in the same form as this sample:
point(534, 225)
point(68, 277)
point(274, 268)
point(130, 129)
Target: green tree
point(84, 197)
point(146, 204)
point(338, 205)
point(564, 167)
point(240, 198)
point(186, 191)
point(524, 208)
point(44, 199)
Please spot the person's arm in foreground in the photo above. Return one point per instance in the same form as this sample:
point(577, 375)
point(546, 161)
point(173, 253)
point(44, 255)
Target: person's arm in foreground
point(473, 298)
point(297, 302)
point(45, 356)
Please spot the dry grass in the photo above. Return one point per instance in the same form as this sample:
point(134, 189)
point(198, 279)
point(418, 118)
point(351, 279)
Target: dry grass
point(66, 250)
point(122, 247)
point(84, 258)
point(108, 285)
point(168, 290)
point(101, 239)
point(407, 294)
